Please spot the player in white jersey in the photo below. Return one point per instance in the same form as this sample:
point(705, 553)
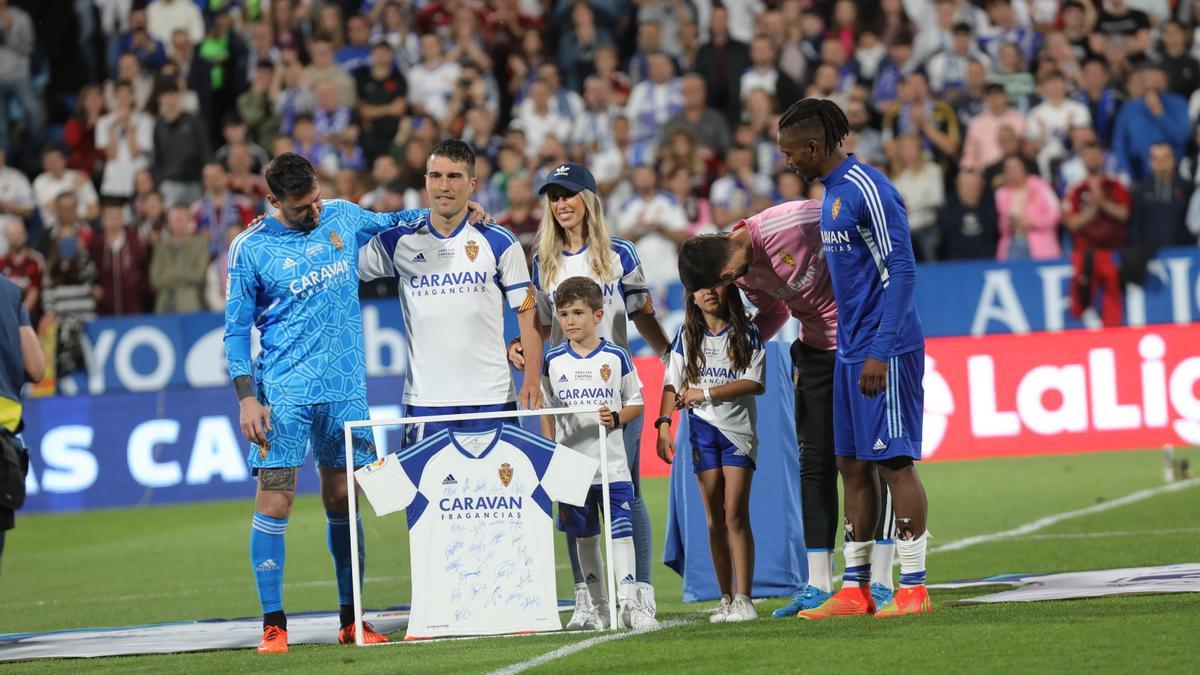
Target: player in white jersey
point(455, 279)
point(589, 371)
point(716, 370)
point(480, 526)
point(573, 240)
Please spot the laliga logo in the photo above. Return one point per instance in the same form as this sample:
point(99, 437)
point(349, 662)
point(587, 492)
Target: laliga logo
point(939, 406)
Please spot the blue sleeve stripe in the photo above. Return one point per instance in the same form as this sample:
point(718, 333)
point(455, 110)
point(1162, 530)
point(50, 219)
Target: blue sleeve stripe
point(870, 193)
point(626, 360)
point(870, 231)
point(627, 254)
point(390, 237)
point(236, 246)
point(511, 432)
point(534, 272)
point(498, 238)
point(514, 287)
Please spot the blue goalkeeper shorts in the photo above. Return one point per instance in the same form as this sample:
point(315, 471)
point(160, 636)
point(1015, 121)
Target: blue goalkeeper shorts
point(884, 427)
point(295, 428)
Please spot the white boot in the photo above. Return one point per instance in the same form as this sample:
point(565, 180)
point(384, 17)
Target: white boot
point(584, 615)
point(646, 598)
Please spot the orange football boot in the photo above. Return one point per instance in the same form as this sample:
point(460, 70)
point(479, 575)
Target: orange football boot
point(274, 641)
point(911, 600)
point(346, 635)
point(849, 601)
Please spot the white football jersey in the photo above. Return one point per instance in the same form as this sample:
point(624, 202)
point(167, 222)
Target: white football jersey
point(452, 292)
point(606, 377)
point(481, 533)
point(735, 418)
point(625, 295)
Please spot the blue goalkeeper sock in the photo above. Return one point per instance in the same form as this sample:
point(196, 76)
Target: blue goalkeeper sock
point(266, 557)
point(338, 538)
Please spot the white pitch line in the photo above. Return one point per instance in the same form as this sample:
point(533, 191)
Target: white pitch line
point(580, 646)
point(1112, 534)
point(1053, 519)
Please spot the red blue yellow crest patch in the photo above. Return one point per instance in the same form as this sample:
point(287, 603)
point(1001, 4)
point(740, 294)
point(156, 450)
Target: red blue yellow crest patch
point(506, 473)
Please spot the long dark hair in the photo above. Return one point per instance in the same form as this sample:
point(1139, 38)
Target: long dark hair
point(694, 328)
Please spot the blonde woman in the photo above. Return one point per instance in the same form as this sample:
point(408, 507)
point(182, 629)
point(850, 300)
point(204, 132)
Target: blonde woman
point(573, 240)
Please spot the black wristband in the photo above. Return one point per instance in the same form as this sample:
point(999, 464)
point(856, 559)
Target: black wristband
point(616, 420)
point(244, 386)
point(661, 421)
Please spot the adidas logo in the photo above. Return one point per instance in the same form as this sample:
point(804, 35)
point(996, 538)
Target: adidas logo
point(449, 480)
point(562, 170)
point(591, 579)
point(628, 579)
point(288, 263)
point(563, 378)
point(625, 505)
point(267, 565)
point(880, 445)
point(420, 257)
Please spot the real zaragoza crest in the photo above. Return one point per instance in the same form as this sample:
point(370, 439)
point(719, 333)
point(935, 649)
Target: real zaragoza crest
point(836, 208)
point(472, 250)
point(336, 240)
point(506, 473)
point(605, 371)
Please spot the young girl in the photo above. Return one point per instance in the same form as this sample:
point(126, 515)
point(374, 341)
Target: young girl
point(716, 370)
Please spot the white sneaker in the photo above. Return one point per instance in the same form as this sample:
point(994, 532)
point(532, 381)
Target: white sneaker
point(741, 610)
point(600, 613)
point(584, 613)
point(721, 613)
point(640, 617)
point(646, 598)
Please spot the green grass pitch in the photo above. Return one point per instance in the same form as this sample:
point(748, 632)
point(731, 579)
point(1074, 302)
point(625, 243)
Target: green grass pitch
point(122, 567)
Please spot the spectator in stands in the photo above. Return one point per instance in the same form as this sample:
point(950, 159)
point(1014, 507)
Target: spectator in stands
point(592, 131)
point(1062, 58)
point(55, 179)
point(608, 68)
point(1117, 20)
point(164, 17)
point(680, 151)
point(762, 73)
point(24, 267)
point(179, 266)
point(577, 47)
point(723, 59)
point(1157, 116)
point(967, 223)
point(150, 218)
point(216, 279)
point(256, 106)
point(16, 198)
point(1028, 213)
point(742, 191)
point(218, 209)
point(1074, 170)
point(937, 36)
point(921, 185)
point(1182, 69)
point(539, 120)
point(431, 82)
point(1160, 203)
point(180, 150)
point(129, 69)
point(121, 264)
point(707, 125)
point(1051, 121)
point(982, 147)
point(16, 49)
point(656, 225)
point(524, 212)
point(1103, 102)
point(1095, 212)
point(324, 69)
point(356, 53)
point(885, 91)
point(680, 183)
point(947, 68)
point(475, 91)
point(649, 39)
point(656, 100)
point(244, 180)
point(138, 41)
point(79, 133)
point(330, 118)
point(466, 40)
point(866, 140)
point(382, 92)
point(1018, 82)
point(293, 96)
point(932, 119)
point(969, 101)
point(261, 50)
point(126, 137)
point(565, 102)
point(1006, 29)
point(236, 133)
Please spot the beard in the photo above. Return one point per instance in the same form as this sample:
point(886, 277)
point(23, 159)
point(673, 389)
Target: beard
point(307, 225)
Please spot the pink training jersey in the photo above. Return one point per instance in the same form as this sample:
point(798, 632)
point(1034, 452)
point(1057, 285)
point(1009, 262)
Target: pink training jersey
point(788, 274)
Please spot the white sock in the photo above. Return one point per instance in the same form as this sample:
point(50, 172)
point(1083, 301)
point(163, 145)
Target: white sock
point(624, 564)
point(881, 562)
point(912, 560)
point(592, 566)
point(820, 569)
point(858, 563)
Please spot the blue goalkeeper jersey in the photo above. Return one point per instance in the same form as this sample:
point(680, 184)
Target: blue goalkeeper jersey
point(301, 291)
point(864, 228)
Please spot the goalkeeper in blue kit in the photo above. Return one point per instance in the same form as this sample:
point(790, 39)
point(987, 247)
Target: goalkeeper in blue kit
point(294, 275)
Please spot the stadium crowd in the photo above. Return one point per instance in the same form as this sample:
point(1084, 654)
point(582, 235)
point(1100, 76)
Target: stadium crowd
point(133, 133)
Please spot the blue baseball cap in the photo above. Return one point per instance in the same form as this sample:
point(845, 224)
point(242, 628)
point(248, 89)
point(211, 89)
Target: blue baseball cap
point(571, 177)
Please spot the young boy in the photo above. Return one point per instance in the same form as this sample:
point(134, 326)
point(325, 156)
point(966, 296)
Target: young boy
point(588, 371)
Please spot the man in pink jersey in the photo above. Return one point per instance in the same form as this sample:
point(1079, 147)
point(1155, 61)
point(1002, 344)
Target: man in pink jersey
point(776, 257)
